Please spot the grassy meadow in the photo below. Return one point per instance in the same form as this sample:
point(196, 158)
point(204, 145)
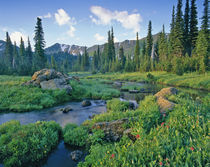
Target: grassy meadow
point(14, 97)
point(188, 80)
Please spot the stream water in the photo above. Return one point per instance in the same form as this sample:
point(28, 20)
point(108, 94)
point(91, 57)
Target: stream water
point(61, 155)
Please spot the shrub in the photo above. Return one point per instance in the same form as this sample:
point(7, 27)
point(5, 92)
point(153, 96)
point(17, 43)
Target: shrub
point(117, 105)
point(22, 145)
point(75, 135)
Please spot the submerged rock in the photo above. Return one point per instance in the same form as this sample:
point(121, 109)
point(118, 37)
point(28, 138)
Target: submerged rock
point(76, 155)
point(50, 79)
point(86, 103)
point(164, 104)
point(65, 109)
point(113, 130)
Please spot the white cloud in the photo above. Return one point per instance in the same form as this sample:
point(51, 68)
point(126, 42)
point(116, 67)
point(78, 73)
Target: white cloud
point(62, 18)
point(105, 17)
point(99, 37)
point(116, 39)
point(71, 31)
point(15, 37)
point(47, 16)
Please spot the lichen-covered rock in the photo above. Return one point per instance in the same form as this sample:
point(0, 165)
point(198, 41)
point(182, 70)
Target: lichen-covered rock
point(166, 92)
point(163, 103)
point(50, 79)
point(113, 130)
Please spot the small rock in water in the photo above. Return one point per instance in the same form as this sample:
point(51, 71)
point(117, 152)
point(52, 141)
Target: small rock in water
point(76, 155)
point(64, 110)
point(91, 116)
point(86, 103)
point(67, 109)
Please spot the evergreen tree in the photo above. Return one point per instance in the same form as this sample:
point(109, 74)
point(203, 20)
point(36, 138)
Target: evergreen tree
point(53, 63)
point(193, 24)
point(16, 58)
point(122, 57)
point(137, 53)
point(22, 53)
point(186, 28)
point(128, 64)
point(95, 62)
point(8, 54)
point(29, 55)
point(39, 59)
point(172, 35)
point(162, 49)
point(202, 53)
point(178, 47)
point(205, 19)
point(79, 62)
point(149, 47)
point(98, 57)
point(112, 45)
point(85, 60)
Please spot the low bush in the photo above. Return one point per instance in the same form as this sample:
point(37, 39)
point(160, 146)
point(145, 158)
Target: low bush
point(117, 105)
point(75, 135)
point(21, 145)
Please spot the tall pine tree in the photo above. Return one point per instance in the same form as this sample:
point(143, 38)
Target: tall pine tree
point(8, 54)
point(193, 24)
point(178, 47)
point(39, 59)
point(149, 46)
point(137, 53)
point(186, 28)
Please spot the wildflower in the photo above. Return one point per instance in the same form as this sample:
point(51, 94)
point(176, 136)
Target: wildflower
point(162, 123)
point(166, 159)
point(167, 126)
point(191, 148)
point(112, 156)
point(164, 115)
point(137, 136)
point(161, 163)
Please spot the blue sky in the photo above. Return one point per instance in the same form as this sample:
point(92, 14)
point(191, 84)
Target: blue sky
point(85, 22)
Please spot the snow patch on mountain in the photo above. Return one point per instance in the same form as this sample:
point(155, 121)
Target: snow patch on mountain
point(63, 47)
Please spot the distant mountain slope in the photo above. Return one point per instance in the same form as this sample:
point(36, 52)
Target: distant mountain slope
point(128, 46)
point(71, 49)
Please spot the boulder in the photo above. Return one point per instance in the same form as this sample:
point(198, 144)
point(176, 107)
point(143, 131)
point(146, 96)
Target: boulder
point(164, 104)
point(86, 103)
point(113, 130)
point(50, 79)
point(65, 109)
point(166, 92)
point(76, 155)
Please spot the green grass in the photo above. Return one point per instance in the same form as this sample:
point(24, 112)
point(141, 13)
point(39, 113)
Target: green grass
point(25, 145)
point(14, 97)
point(180, 138)
point(190, 80)
point(94, 89)
point(17, 98)
point(133, 86)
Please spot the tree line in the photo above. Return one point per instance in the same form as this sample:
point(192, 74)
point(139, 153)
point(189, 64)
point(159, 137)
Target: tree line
point(185, 49)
